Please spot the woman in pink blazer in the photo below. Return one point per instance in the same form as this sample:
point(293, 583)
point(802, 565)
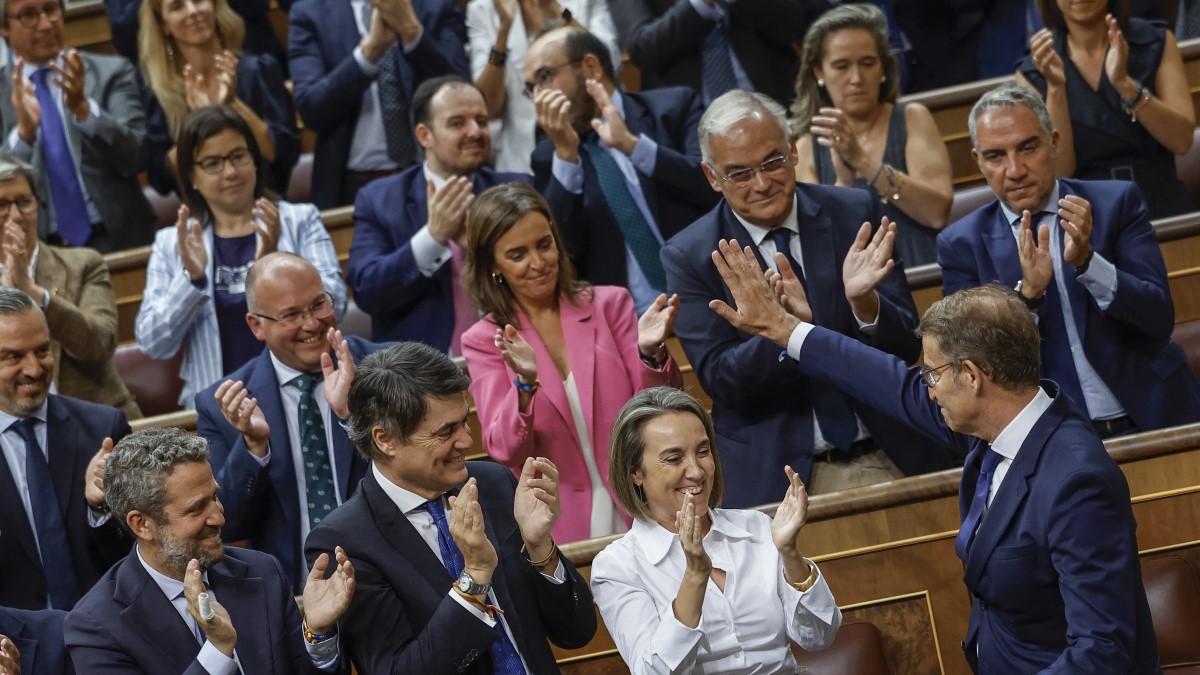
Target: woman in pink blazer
point(554, 360)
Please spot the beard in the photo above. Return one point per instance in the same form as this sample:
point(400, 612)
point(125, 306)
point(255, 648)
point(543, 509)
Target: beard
point(178, 552)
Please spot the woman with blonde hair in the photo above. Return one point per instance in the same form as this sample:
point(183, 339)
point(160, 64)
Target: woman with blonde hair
point(189, 57)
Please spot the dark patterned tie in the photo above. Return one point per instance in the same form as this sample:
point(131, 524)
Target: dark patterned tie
point(966, 534)
point(717, 62)
point(66, 193)
point(638, 236)
point(318, 470)
point(394, 103)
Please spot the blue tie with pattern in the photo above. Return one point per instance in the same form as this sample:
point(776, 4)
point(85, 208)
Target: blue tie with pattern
point(639, 238)
point(47, 520)
point(66, 193)
point(318, 469)
point(394, 102)
point(716, 62)
point(504, 654)
point(966, 534)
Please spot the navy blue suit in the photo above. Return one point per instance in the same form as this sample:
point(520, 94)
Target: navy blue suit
point(1129, 344)
point(761, 407)
point(1053, 572)
point(74, 431)
point(38, 635)
point(125, 624)
point(677, 193)
point(402, 619)
point(403, 303)
point(261, 502)
point(329, 84)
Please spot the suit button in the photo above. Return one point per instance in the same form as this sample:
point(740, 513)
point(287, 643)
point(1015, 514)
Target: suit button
point(983, 605)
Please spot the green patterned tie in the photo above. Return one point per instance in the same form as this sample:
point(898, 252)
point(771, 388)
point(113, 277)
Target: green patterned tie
point(318, 471)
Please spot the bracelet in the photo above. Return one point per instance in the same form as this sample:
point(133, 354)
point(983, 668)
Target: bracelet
point(811, 581)
point(1033, 304)
point(893, 186)
point(527, 388)
point(497, 58)
point(484, 607)
point(1131, 106)
point(314, 638)
point(543, 561)
point(656, 361)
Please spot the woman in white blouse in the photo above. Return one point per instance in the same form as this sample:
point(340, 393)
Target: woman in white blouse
point(693, 588)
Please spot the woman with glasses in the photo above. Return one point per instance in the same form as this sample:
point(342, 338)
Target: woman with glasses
point(189, 57)
point(195, 296)
point(851, 131)
point(554, 359)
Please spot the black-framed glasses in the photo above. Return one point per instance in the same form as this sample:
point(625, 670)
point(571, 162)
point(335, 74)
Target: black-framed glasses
point(543, 75)
point(932, 376)
point(25, 204)
point(215, 165)
point(321, 309)
point(29, 17)
point(772, 167)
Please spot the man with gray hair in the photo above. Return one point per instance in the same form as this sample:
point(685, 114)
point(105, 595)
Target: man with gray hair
point(182, 602)
point(56, 538)
point(766, 414)
point(1085, 258)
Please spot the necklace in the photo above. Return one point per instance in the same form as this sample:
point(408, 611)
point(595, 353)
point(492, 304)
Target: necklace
point(866, 134)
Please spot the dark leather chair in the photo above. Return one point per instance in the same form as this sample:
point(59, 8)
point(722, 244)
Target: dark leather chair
point(1187, 336)
point(300, 184)
point(1173, 591)
point(165, 207)
point(966, 201)
point(155, 384)
point(356, 322)
point(857, 649)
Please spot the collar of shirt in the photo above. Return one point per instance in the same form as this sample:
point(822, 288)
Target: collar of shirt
point(438, 181)
point(7, 420)
point(30, 68)
point(405, 500)
point(1051, 206)
point(1012, 437)
point(656, 541)
point(285, 373)
point(758, 233)
point(172, 588)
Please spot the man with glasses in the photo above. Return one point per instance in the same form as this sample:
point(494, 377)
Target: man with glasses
point(765, 413)
point(274, 426)
point(619, 169)
point(77, 118)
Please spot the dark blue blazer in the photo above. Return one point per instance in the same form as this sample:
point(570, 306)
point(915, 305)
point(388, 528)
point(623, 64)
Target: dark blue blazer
point(1129, 344)
point(74, 431)
point(402, 619)
point(1053, 572)
point(329, 84)
point(38, 635)
point(126, 624)
point(261, 501)
point(403, 303)
point(761, 407)
point(677, 193)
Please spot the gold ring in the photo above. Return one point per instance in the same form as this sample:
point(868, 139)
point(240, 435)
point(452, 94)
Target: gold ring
point(837, 139)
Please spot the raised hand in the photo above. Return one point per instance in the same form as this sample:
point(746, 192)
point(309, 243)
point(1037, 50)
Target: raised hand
point(468, 531)
point(326, 600)
point(225, 90)
point(10, 658)
point(378, 38)
point(831, 128)
point(241, 411)
point(400, 16)
point(535, 506)
point(758, 311)
point(506, 11)
point(1034, 254)
point(1048, 61)
point(448, 208)
point(657, 323)
point(191, 244)
point(195, 88)
point(517, 353)
point(337, 380)
point(267, 213)
point(1076, 221)
point(17, 252)
point(791, 514)
point(70, 78)
point(868, 262)
point(25, 104)
point(93, 478)
point(690, 526)
point(788, 289)
point(610, 126)
point(554, 117)
point(219, 629)
point(1117, 58)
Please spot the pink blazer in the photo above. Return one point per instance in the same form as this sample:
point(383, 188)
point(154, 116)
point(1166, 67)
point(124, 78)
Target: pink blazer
point(601, 339)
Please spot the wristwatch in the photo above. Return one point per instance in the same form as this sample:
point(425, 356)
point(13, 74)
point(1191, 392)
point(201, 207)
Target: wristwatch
point(1032, 303)
point(467, 585)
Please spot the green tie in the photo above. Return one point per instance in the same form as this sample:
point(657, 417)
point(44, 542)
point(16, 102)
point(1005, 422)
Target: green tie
point(318, 473)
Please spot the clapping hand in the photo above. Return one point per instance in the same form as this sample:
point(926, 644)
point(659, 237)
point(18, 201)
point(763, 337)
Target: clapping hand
point(758, 310)
point(10, 658)
point(790, 516)
point(266, 212)
point(1034, 254)
point(517, 353)
point(16, 254)
point(191, 244)
point(1047, 61)
point(690, 526)
point(788, 289)
point(554, 117)
point(610, 126)
point(657, 323)
point(219, 628)
point(448, 208)
point(867, 264)
point(337, 380)
point(468, 531)
point(25, 103)
point(1075, 217)
point(326, 600)
point(70, 78)
point(93, 482)
point(241, 411)
point(535, 506)
point(1117, 58)
point(831, 128)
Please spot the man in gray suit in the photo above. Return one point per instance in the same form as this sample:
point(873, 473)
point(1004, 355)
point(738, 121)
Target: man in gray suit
point(78, 119)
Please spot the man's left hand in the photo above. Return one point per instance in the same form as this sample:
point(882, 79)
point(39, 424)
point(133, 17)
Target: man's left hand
point(536, 507)
point(758, 310)
point(338, 379)
point(93, 481)
point(1076, 215)
point(70, 78)
point(326, 600)
point(610, 126)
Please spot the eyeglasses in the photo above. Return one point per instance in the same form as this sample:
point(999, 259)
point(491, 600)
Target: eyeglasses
point(543, 75)
point(215, 165)
point(29, 17)
point(25, 204)
point(321, 309)
point(932, 376)
point(772, 167)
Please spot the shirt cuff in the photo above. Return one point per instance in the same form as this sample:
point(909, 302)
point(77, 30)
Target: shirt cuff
point(214, 662)
point(324, 654)
point(796, 341)
point(88, 126)
point(560, 573)
point(472, 609)
point(262, 461)
point(18, 145)
point(645, 155)
point(369, 69)
point(409, 46)
point(712, 13)
point(429, 254)
point(93, 521)
point(570, 175)
point(1100, 280)
point(675, 641)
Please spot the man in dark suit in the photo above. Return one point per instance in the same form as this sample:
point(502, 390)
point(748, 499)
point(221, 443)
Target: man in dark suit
point(1084, 256)
point(278, 449)
point(32, 642)
point(439, 544)
point(77, 118)
point(1048, 538)
point(183, 603)
point(620, 170)
point(354, 69)
point(410, 230)
point(758, 402)
point(56, 538)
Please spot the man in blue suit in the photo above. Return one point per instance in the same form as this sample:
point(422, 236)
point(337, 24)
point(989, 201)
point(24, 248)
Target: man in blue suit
point(355, 68)
point(410, 229)
point(1048, 538)
point(36, 637)
point(56, 538)
point(1084, 256)
point(766, 414)
point(277, 446)
point(620, 170)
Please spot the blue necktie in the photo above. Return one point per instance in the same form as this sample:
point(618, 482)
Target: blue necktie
point(314, 448)
point(638, 236)
point(47, 520)
point(66, 193)
point(966, 534)
point(716, 62)
point(394, 103)
point(504, 654)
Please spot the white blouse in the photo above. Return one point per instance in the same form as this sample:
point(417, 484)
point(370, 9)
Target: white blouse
point(606, 519)
point(745, 629)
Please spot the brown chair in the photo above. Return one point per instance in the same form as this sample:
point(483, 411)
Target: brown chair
point(966, 201)
point(1187, 166)
point(1187, 336)
point(299, 189)
point(165, 207)
point(1173, 591)
point(155, 384)
point(857, 649)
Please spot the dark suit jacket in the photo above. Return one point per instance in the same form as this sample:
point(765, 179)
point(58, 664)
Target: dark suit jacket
point(761, 407)
point(665, 40)
point(329, 83)
point(110, 160)
point(1129, 344)
point(1053, 572)
point(677, 193)
point(127, 625)
point(74, 431)
point(403, 303)
point(38, 635)
point(261, 502)
point(402, 619)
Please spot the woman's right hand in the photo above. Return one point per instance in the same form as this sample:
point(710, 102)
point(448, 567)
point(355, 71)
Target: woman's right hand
point(831, 128)
point(691, 537)
point(517, 353)
point(191, 244)
point(1048, 62)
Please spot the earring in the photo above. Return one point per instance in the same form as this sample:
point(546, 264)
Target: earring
point(641, 494)
point(170, 49)
point(820, 82)
point(497, 279)
point(883, 79)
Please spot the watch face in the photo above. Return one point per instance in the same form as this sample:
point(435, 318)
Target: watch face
point(465, 582)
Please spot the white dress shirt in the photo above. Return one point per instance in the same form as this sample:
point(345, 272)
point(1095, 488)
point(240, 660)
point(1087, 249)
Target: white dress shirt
point(744, 629)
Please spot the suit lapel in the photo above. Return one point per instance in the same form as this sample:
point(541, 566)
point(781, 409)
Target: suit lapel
point(552, 385)
point(151, 619)
point(403, 537)
point(264, 385)
point(416, 202)
point(15, 522)
point(821, 271)
point(65, 447)
point(579, 332)
point(245, 600)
